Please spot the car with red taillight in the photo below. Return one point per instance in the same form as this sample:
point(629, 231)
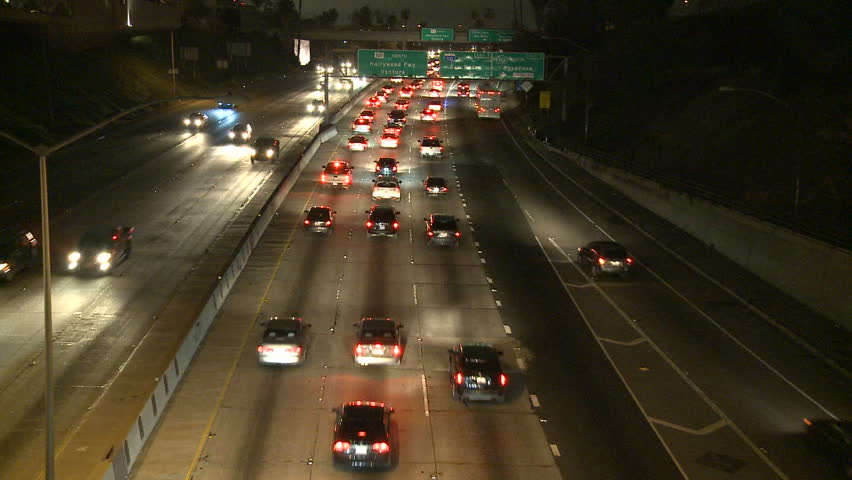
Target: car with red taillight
point(476, 373)
point(406, 92)
point(362, 435)
point(357, 143)
point(435, 186)
point(431, 146)
point(284, 341)
point(428, 115)
point(373, 102)
point(605, 258)
point(442, 230)
point(387, 188)
point(368, 115)
point(401, 104)
point(362, 125)
point(397, 116)
point(382, 221)
point(319, 219)
point(393, 128)
point(377, 342)
point(389, 140)
point(387, 166)
point(435, 105)
point(336, 174)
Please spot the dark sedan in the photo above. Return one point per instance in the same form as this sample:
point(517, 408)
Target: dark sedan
point(362, 435)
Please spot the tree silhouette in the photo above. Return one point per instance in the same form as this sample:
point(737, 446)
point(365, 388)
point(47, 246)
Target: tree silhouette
point(363, 17)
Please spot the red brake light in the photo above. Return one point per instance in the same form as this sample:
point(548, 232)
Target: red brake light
point(362, 434)
point(348, 179)
point(459, 378)
point(503, 380)
point(394, 168)
point(445, 189)
point(629, 260)
point(328, 223)
point(397, 351)
point(497, 109)
point(298, 349)
point(395, 225)
point(381, 447)
point(322, 178)
point(359, 348)
point(430, 233)
point(307, 222)
point(341, 446)
point(369, 225)
point(378, 168)
point(115, 237)
point(458, 234)
point(262, 349)
point(601, 261)
point(336, 163)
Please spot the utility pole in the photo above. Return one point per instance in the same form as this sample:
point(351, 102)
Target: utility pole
point(325, 92)
point(173, 72)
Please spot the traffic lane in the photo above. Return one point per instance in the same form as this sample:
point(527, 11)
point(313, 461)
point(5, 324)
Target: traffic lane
point(359, 294)
point(766, 403)
point(596, 424)
point(102, 324)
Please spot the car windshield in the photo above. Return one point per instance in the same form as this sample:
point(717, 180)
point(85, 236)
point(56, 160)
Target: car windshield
point(613, 252)
point(319, 214)
point(286, 335)
point(443, 223)
point(96, 238)
point(431, 142)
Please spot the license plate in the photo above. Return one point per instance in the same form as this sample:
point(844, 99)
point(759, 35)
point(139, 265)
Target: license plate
point(616, 264)
point(442, 235)
point(481, 381)
point(360, 449)
point(319, 224)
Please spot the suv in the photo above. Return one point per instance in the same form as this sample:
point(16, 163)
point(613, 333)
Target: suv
point(386, 188)
point(397, 116)
point(101, 248)
point(317, 107)
point(605, 257)
point(381, 220)
point(284, 342)
point(431, 147)
point(265, 147)
point(319, 219)
point(386, 166)
point(442, 230)
point(377, 342)
point(337, 173)
point(195, 120)
point(362, 434)
point(18, 251)
point(476, 374)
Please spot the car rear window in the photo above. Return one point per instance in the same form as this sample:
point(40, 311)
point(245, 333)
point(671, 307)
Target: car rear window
point(383, 216)
point(436, 182)
point(431, 142)
point(444, 224)
point(614, 252)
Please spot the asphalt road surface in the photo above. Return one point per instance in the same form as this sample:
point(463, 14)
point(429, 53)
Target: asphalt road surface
point(179, 188)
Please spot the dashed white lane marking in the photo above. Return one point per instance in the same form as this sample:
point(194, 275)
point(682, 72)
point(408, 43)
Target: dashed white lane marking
point(489, 280)
point(415, 293)
point(528, 214)
point(425, 396)
point(507, 329)
point(554, 450)
point(475, 244)
point(467, 217)
point(482, 260)
point(472, 229)
point(522, 364)
point(499, 303)
point(534, 401)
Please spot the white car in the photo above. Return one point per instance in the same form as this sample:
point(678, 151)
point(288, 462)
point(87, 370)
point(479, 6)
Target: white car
point(386, 188)
point(431, 147)
point(389, 140)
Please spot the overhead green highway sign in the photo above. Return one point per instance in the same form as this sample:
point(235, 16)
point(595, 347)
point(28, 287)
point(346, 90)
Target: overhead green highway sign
point(484, 35)
point(493, 65)
point(437, 34)
point(392, 63)
point(516, 66)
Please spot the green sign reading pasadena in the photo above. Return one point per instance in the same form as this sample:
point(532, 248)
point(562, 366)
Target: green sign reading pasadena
point(437, 34)
point(496, 65)
point(392, 63)
point(482, 35)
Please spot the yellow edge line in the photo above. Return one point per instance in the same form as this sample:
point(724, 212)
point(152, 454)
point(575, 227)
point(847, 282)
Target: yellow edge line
point(203, 442)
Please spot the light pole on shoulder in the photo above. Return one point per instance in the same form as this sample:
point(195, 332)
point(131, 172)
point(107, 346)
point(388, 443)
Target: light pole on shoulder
point(587, 100)
point(789, 108)
point(325, 93)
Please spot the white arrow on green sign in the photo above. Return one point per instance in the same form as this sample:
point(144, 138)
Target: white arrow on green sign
point(488, 65)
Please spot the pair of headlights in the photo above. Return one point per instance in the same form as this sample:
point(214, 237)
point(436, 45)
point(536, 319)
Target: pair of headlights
point(102, 258)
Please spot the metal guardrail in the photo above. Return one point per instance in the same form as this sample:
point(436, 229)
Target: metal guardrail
point(839, 237)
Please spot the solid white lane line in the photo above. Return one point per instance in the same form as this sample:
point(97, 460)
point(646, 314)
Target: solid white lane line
point(529, 215)
point(425, 395)
point(507, 329)
point(499, 303)
point(554, 450)
point(534, 401)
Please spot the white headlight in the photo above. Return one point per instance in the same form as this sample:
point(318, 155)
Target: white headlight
point(186, 121)
point(310, 108)
point(269, 152)
point(254, 151)
point(197, 122)
point(103, 257)
point(232, 134)
point(322, 108)
point(74, 257)
point(104, 266)
point(245, 135)
point(4, 267)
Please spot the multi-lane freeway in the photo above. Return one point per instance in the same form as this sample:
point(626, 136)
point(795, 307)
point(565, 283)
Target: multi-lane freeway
point(675, 372)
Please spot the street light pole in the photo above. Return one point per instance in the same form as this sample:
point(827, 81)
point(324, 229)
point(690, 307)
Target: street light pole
point(796, 163)
point(325, 92)
point(48, 314)
point(174, 72)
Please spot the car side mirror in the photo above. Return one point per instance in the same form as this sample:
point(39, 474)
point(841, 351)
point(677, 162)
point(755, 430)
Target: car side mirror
point(419, 141)
point(334, 212)
point(306, 211)
point(458, 220)
point(366, 211)
point(391, 410)
point(374, 181)
point(425, 219)
point(499, 352)
point(324, 166)
point(354, 324)
point(398, 213)
point(307, 325)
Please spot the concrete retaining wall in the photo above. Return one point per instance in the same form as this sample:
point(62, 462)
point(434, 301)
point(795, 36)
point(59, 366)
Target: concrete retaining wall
point(815, 273)
point(121, 462)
